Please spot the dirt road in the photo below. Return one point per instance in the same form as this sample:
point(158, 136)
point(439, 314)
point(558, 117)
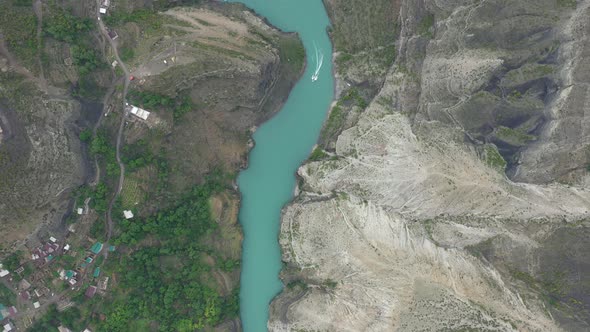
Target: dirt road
point(104, 31)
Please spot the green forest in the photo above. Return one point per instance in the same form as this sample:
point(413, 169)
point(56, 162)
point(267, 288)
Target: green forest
point(165, 280)
point(65, 27)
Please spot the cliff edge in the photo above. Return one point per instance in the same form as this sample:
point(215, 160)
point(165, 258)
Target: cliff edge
point(454, 196)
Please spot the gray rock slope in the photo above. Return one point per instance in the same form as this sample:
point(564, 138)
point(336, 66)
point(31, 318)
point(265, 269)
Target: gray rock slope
point(458, 200)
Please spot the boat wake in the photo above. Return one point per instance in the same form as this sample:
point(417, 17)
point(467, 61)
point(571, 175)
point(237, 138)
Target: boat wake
point(319, 60)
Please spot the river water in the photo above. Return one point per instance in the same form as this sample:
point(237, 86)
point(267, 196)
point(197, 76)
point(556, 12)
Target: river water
point(282, 144)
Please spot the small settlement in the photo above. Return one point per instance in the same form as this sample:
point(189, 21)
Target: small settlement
point(104, 5)
point(102, 10)
point(55, 270)
point(52, 272)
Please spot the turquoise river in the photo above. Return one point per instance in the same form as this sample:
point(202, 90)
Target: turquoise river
point(282, 144)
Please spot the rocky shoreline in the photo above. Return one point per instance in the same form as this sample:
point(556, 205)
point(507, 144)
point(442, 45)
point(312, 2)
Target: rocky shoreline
point(407, 226)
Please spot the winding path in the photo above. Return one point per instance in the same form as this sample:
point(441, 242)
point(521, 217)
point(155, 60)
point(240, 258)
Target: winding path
point(104, 32)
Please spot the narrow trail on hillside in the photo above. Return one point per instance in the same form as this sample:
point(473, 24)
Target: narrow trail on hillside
point(38, 9)
point(104, 32)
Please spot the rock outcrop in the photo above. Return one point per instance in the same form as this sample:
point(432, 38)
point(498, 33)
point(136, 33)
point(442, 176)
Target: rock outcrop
point(444, 206)
point(40, 157)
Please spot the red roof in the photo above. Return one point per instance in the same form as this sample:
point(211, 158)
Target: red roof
point(39, 253)
point(90, 291)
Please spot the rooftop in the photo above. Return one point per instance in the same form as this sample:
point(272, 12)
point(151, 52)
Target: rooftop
point(96, 248)
point(140, 113)
point(127, 213)
point(113, 35)
point(90, 291)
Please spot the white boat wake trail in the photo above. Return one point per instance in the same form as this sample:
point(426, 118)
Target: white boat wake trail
point(319, 60)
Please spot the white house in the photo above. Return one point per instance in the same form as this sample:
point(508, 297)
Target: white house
point(139, 112)
point(128, 214)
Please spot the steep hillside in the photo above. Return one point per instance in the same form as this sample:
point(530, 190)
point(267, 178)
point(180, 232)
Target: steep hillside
point(40, 154)
point(441, 204)
point(155, 196)
point(235, 70)
point(209, 76)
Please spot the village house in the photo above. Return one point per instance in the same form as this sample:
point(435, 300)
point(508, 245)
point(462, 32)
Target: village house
point(90, 292)
point(103, 283)
point(45, 253)
point(128, 214)
point(62, 328)
point(26, 295)
point(8, 327)
point(7, 312)
point(113, 35)
point(96, 248)
point(3, 272)
point(41, 291)
point(104, 6)
point(140, 113)
point(24, 285)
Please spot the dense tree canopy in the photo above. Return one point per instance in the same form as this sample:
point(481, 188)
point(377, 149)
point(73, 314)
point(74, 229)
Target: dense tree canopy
point(66, 27)
point(153, 100)
point(165, 282)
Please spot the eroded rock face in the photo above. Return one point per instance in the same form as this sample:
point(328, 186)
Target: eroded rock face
point(412, 224)
point(563, 150)
point(40, 161)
